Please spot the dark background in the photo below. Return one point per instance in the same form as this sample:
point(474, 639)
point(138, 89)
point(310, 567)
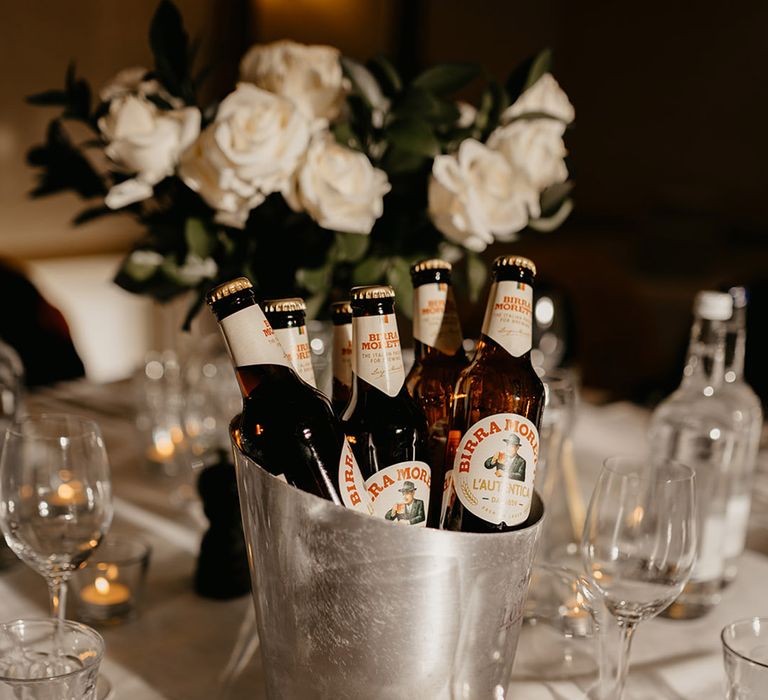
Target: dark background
point(668, 150)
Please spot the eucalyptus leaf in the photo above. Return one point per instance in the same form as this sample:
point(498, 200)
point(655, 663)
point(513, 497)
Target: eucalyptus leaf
point(386, 74)
point(414, 135)
point(421, 104)
point(547, 224)
point(447, 78)
point(476, 275)
point(541, 64)
point(199, 241)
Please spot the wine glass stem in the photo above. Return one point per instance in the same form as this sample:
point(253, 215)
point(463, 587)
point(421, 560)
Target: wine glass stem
point(57, 589)
point(626, 630)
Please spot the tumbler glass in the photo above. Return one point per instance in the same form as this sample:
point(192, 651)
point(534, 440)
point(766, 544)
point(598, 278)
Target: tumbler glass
point(49, 660)
point(745, 653)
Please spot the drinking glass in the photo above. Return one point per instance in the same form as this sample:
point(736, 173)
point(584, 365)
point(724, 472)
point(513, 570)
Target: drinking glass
point(49, 660)
point(55, 496)
point(745, 653)
point(639, 542)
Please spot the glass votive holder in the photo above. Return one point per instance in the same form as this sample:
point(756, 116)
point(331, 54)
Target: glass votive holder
point(745, 654)
point(110, 587)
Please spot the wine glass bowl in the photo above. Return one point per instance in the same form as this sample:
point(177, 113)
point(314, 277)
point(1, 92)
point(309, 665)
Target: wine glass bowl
point(639, 540)
point(55, 495)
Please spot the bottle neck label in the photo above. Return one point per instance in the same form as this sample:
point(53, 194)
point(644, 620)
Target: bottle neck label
point(435, 320)
point(509, 316)
point(400, 493)
point(251, 340)
point(351, 483)
point(378, 359)
point(495, 467)
point(296, 346)
point(342, 353)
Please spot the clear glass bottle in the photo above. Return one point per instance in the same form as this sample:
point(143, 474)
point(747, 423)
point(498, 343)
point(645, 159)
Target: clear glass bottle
point(694, 426)
point(748, 414)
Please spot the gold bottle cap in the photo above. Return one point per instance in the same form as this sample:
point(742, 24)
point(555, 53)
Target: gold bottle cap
point(374, 291)
point(509, 260)
point(431, 264)
point(341, 308)
point(278, 305)
point(224, 290)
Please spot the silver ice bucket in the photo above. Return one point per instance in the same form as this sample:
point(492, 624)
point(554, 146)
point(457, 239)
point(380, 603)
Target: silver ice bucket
point(350, 606)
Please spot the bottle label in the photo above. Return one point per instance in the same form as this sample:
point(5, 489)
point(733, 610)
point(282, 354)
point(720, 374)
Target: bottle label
point(447, 493)
point(342, 353)
point(351, 482)
point(736, 524)
point(435, 320)
point(251, 340)
point(400, 493)
point(296, 345)
point(710, 563)
point(495, 467)
point(509, 317)
point(378, 359)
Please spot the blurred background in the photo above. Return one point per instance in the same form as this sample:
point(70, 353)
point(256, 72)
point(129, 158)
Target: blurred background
point(668, 155)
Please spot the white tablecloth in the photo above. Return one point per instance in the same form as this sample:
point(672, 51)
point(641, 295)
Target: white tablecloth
point(181, 643)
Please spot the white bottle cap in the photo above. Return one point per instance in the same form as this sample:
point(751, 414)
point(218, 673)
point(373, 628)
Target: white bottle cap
point(713, 306)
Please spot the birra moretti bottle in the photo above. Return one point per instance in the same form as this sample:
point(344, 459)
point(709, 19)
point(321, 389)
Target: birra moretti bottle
point(695, 426)
point(748, 413)
point(493, 442)
point(385, 428)
point(288, 319)
point(287, 426)
point(438, 358)
point(341, 385)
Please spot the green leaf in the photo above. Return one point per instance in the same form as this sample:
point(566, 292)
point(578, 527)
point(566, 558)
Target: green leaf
point(447, 78)
point(345, 135)
point(47, 98)
point(421, 104)
point(199, 240)
point(414, 135)
point(314, 280)
point(541, 64)
point(350, 247)
point(492, 104)
point(386, 74)
point(369, 271)
point(363, 82)
point(399, 278)
point(398, 161)
point(316, 303)
point(550, 223)
point(476, 275)
point(170, 46)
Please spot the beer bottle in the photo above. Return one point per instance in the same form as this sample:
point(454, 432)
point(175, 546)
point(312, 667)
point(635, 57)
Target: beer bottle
point(341, 389)
point(287, 318)
point(385, 428)
point(439, 357)
point(493, 442)
point(286, 426)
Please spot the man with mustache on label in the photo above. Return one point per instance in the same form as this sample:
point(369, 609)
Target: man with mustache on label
point(508, 462)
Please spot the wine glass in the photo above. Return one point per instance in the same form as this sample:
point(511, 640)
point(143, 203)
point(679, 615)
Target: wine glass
point(639, 543)
point(55, 496)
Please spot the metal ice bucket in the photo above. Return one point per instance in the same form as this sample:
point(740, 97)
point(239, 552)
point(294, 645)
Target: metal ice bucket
point(350, 606)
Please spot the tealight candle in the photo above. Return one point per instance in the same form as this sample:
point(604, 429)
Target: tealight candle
point(102, 592)
point(68, 493)
point(576, 620)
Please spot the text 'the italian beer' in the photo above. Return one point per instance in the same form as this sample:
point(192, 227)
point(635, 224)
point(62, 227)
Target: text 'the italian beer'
point(493, 443)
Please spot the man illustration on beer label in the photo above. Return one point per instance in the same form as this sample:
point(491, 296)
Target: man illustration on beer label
point(411, 510)
point(508, 462)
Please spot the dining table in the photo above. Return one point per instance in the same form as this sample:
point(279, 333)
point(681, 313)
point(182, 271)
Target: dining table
point(182, 646)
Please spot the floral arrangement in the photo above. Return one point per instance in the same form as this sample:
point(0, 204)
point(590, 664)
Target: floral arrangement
point(314, 174)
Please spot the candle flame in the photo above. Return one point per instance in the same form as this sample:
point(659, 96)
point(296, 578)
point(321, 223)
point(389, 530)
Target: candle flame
point(102, 585)
point(66, 492)
point(112, 572)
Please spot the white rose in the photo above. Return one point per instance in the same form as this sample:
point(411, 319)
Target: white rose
point(132, 81)
point(467, 115)
point(545, 96)
point(251, 150)
point(311, 76)
point(339, 187)
point(534, 147)
point(145, 141)
point(476, 196)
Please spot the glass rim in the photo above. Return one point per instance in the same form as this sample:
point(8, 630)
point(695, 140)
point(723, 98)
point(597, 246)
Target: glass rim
point(746, 620)
point(609, 465)
point(51, 623)
point(109, 540)
point(87, 425)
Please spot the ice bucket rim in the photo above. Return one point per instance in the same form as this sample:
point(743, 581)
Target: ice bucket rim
point(339, 512)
